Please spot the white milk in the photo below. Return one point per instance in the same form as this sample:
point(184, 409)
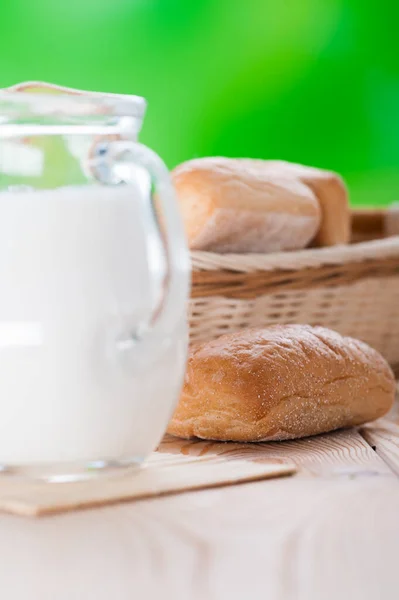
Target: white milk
point(75, 277)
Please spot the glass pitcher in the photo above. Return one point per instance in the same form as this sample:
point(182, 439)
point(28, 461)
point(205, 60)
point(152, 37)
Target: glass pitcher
point(94, 275)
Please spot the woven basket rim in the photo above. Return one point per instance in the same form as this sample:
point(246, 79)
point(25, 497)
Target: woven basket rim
point(297, 260)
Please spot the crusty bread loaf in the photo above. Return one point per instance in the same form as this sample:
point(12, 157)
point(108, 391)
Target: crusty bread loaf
point(330, 190)
point(233, 205)
point(280, 383)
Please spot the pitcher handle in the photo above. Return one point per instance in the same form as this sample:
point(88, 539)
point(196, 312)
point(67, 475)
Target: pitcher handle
point(116, 162)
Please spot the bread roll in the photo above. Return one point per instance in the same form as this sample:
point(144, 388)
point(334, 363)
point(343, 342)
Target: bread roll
point(330, 190)
point(233, 205)
point(280, 383)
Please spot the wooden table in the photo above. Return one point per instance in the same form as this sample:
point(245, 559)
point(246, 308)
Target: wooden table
point(331, 532)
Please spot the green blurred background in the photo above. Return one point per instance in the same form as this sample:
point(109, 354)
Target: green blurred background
point(312, 81)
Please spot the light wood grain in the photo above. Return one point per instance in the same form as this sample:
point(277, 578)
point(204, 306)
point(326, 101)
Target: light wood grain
point(164, 474)
point(383, 436)
point(342, 453)
point(304, 538)
point(331, 533)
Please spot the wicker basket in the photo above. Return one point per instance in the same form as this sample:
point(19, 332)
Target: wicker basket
point(353, 289)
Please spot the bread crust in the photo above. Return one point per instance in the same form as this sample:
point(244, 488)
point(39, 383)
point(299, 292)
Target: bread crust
point(332, 194)
point(236, 205)
point(281, 383)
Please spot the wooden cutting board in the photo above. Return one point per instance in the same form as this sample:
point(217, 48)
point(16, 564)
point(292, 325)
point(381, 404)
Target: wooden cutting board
point(164, 473)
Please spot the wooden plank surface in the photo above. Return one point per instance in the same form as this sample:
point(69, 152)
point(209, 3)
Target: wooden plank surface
point(384, 439)
point(342, 453)
point(330, 533)
point(164, 474)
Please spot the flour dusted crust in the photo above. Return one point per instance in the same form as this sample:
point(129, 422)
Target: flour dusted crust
point(227, 227)
point(281, 383)
point(233, 205)
point(330, 190)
